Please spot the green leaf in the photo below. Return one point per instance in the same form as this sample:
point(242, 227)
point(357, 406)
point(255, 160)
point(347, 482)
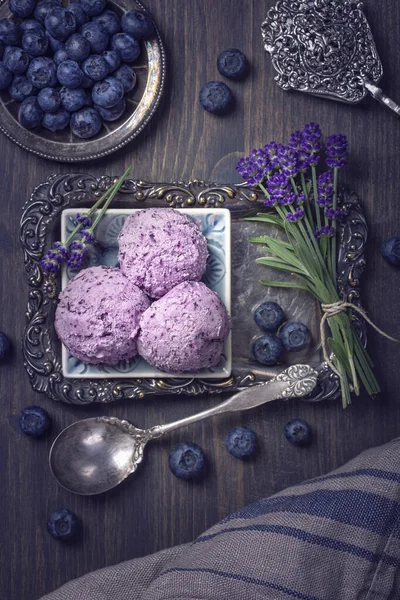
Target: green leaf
point(340, 354)
point(283, 284)
point(277, 263)
point(264, 218)
point(265, 239)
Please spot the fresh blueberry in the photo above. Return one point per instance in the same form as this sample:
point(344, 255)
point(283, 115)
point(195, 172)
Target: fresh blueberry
point(21, 88)
point(113, 113)
point(187, 461)
point(42, 72)
point(35, 42)
point(5, 77)
point(127, 76)
point(31, 25)
point(95, 67)
point(5, 346)
point(232, 63)
point(10, 32)
point(241, 442)
point(60, 23)
point(77, 47)
point(85, 123)
point(298, 432)
point(269, 316)
point(63, 525)
point(216, 97)
point(97, 38)
point(267, 349)
point(125, 46)
point(109, 21)
point(49, 100)
point(30, 114)
point(60, 56)
point(42, 9)
point(22, 8)
point(87, 83)
point(73, 99)
point(108, 93)
point(69, 74)
point(113, 60)
point(55, 45)
point(1, 48)
point(56, 121)
point(93, 7)
point(79, 14)
point(34, 421)
point(138, 24)
point(295, 336)
point(391, 251)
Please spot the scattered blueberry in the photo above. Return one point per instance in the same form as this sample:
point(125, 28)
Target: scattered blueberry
point(63, 525)
point(77, 47)
point(22, 8)
point(187, 461)
point(232, 63)
point(21, 88)
point(60, 23)
point(295, 336)
point(55, 45)
point(109, 21)
point(391, 251)
point(70, 74)
point(93, 7)
point(56, 121)
point(31, 25)
point(5, 77)
point(138, 24)
point(85, 123)
point(113, 60)
point(42, 9)
point(79, 14)
point(113, 113)
point(60, 56)
point(125, 46)
point(216, 97)
point(5, 346)
point(34, 421)
point(127, 76)
point(30, 114)
point(267, 349)
point(108, 93)
point(298, 432)
point(97, 38)
point(269, 316)
point(49, 100)
point(73, 99)
point(241, 442)
point(35, 42)
point(42, 72)
point(95, 67)
point(10, 32)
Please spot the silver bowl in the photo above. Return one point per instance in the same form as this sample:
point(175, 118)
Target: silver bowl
point(142, 102)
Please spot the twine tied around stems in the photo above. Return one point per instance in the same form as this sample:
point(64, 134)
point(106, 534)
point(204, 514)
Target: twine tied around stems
point(330, 310)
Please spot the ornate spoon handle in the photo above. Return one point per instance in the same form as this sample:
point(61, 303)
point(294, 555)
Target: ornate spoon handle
point(379, 95)
point(296, 381)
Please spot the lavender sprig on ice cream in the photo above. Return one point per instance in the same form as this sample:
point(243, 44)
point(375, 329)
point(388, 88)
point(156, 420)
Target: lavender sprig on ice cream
point(154, 305)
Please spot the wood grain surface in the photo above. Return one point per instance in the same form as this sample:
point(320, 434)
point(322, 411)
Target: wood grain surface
point(153, 510)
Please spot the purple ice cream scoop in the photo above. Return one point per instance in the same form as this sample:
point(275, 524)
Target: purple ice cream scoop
point(98, 314)
point(185, 330)
point(160, 248)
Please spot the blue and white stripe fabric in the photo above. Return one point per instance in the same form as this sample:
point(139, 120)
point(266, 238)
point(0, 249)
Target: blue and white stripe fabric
point(336, 537)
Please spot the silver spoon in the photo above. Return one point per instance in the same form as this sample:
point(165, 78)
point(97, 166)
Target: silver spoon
point(94, 455)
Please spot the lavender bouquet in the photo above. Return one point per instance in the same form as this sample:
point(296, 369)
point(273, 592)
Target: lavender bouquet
point(304, 204)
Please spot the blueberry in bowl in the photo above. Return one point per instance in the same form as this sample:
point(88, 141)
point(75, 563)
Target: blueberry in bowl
point(30, 114)
point(108, 93)
point(85, 123)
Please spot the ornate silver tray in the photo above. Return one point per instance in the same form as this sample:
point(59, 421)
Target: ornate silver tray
point(141, 103)
point(40, 226)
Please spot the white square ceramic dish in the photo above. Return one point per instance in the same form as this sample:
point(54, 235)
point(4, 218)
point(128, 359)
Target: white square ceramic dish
point(216, 227)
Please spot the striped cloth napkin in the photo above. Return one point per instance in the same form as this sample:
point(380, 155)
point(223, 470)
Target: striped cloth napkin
point(336, 537)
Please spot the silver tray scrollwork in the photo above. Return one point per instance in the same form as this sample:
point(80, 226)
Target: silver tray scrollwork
point(40, 226)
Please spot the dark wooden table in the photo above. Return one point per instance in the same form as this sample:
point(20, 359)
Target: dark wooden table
point(154, 510)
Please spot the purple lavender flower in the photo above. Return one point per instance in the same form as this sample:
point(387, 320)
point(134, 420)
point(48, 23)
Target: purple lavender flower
point(337, 215)
point(326, 230)
point(78, 251)
point(87, 236)
point(325, 189)
point(278, 187)
point(54, 257)
point(296, 216)
point(288, 162)
point(311, 143)
point(273, 152)
point(83, 220)
point(245, 167)
point(336, 151)
point(296, 141)
point(49, 264)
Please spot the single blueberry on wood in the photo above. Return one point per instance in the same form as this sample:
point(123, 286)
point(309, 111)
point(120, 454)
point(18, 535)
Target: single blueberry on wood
point(63, 525)
point(295, 336)
point(34, 421)
point(391, 251)
point(241, 442)
point(216, 98)
point(187, 461)
point(232, 63)
point(298, 432)
point(269, 316)
point(267, 349)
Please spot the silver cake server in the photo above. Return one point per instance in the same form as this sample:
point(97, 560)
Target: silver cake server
point(325, 48)
point(94, 455)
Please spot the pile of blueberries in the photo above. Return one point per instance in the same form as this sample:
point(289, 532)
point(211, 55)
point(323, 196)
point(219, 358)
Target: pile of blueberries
point(70, 66)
